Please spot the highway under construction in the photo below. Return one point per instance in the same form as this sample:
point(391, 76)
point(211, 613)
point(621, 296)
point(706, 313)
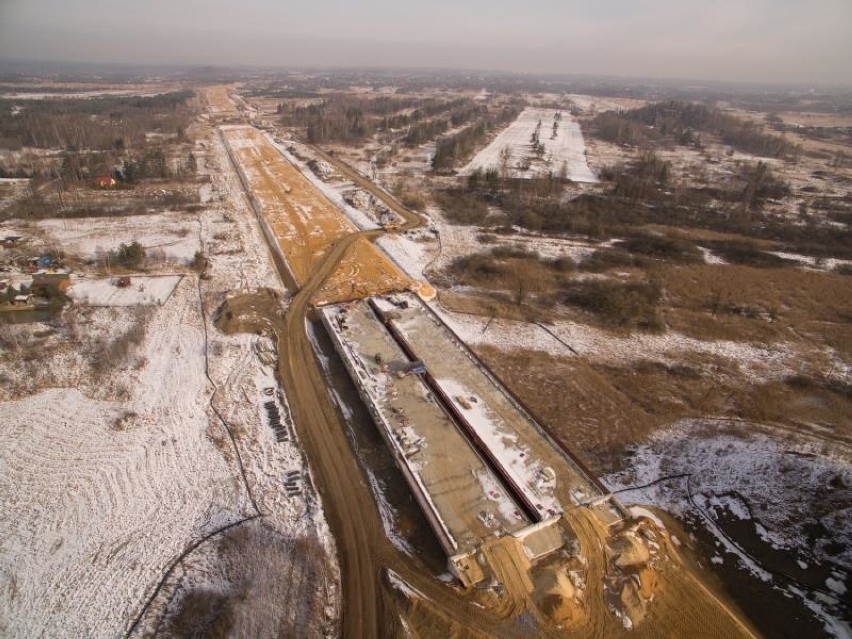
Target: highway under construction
point(514, 512)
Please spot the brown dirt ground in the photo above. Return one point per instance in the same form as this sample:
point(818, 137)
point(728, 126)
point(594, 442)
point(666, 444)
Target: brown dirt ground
point(362, 272)
point(793, 303)
point(306, 225)
point(598, 410)
point(218, 100)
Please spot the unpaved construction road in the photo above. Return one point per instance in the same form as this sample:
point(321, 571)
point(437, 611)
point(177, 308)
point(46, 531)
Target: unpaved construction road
point(412, 220)
point(372, 604)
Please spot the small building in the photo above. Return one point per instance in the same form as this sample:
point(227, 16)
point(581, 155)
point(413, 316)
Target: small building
point(11, 240)
point(22, 300)
point(104, 181)
point(45, 261)
point(60, 280)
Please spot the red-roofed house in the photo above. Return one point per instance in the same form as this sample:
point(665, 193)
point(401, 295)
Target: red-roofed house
point(104, 181)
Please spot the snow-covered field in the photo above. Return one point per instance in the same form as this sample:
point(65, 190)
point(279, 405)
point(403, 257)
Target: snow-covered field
point(784, 485)
point(104, 484)
point(567, 149)
point(77, 95)
point(173, 233)
point(98, 497)
point(598, 104)
point(759, 361)
point(143, 290)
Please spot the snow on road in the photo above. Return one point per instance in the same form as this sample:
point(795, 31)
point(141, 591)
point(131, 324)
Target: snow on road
point(512, 454)
point(567, 149)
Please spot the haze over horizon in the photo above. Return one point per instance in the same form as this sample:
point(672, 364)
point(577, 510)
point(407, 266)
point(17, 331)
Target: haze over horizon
point(747, 40)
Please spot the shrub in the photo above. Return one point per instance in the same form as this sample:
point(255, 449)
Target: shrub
point(664, 248)
point(511, 252)
point(413, 200)
point(462, 208)
point(477, 266)
point(562, 264)
point(747, 254)
point(128, 255)
point(621, 304)
point(605, 259)
point(199, 262)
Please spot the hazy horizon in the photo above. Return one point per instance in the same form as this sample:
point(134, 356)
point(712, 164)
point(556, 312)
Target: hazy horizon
point(762, 41)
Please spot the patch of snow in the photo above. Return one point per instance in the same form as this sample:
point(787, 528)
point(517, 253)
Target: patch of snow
point(567, 149)
point(710, 257)
point(760, 362)
point(731, 458)
point(410, 255)
point(143, 290)
point(173, 233)
point(638, 511)
point(836, 586)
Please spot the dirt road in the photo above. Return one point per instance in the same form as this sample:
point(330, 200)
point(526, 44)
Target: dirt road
point(347, 500)
point(412, 220)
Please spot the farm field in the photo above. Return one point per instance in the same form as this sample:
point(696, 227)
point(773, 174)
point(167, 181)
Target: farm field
point(170, 234)
point(562, 139)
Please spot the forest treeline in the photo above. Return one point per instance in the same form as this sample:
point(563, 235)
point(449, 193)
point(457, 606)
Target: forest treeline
point(106, 122)
point(686, 124)
point(643, 192)
point(344, 118)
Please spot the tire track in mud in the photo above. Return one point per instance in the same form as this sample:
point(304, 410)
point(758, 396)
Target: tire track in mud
point(257, 512)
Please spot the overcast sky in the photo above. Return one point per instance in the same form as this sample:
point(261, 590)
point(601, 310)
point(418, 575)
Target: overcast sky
point(808, 41)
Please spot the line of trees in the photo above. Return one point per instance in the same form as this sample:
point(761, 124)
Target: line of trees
point(92, 123)
point(345, 118)
point(644, 192)
point(430, 129)
point(153, 162)
point(451, 150)
point(684, 123)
